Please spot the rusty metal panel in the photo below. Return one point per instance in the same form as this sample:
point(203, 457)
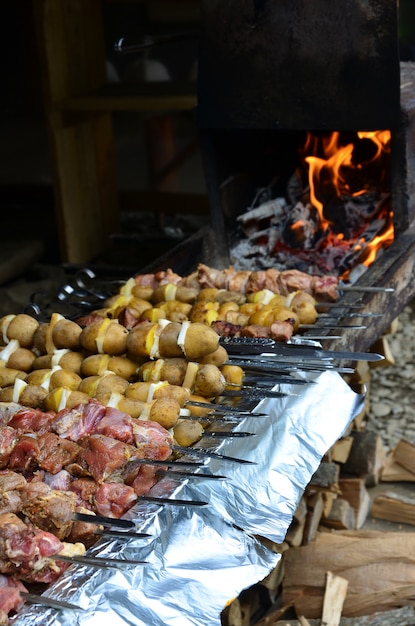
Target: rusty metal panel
point(299, 64)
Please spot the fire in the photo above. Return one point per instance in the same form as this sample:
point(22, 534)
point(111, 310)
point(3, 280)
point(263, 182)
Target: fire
point(334, 168)
point(381, 241)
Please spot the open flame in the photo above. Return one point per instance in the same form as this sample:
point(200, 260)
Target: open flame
point(333, 214)
point(339, 170)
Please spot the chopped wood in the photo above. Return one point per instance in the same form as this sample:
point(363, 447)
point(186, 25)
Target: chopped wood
point(328, 498)
point(394, 508)
point(378, 565)
point(398, 617)
point(340, 451)
point(342, 515)
point(295, 532)
point(334, 596)
point(381, 346)
point(366, 458)
point(314, 514)
point(404, 454)
point(394, 472)
point(326, 476)
point(354, 491)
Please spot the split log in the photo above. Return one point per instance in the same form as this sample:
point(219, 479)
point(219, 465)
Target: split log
point(325, 477)
point(295, 532)
point(366, 458)
point(342, 515)
point(404, 455)
point(394, 472)
point(340, 451)
point(379, 567)
point(394, 508)
point(315, 506)
point(354, 491)
point(334, 596)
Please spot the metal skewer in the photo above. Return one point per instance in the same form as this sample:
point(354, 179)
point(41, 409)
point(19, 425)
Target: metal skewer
point(98, 562)
point(365, 289)
point(215, 455)
point(33, 598)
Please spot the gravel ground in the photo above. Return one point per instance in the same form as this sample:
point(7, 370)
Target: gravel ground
point(392, 390)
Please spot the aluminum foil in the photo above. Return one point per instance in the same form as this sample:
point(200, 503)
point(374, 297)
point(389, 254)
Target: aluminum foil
point(200, 558)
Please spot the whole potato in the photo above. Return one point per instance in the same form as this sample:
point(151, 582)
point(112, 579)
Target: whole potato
point(209, 381)
point(187, 432)
point(199, 341)
point(60, 398)
point(198, 411)
point(31, 396)
point(101, 387)
point(22, 327)
point(39, 338)
point(171, 370)
point(204, 312)
point(65, 334)
point(165, 411)
point(21, 359)
point(124, 367)
point(131, 406)
point(104, 337)
point(95, 365)
point(64, 378)
point(9, 375)
point(218, 357)
point(139, 391)
point(140, 340)
point(233, 375)
point(153, 315)
point(166, 390)
point(67, 359)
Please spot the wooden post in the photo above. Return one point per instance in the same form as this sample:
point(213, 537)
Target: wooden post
point(71, 47)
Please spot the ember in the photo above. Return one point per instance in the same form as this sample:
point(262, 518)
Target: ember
point(335, 215)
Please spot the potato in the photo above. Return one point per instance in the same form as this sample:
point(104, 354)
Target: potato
point(65, 378)
point(153, 315)
point(204, 312)
point(143, 292)
point(39, 338)
point(225, 307)
point(60, 398)
point(171, 370)
point(176, 311)
point(140, 340)
point(263, 317)
point(132, 407)
point(67, 359)
point(165, 411)
point(124, 367)
point(208, 294)
point(209, 381)
point(21, 359)
point(179, 393)
point(104, 337)
point(9, 375)
point(199, 341)
point(237, 318)
point(101, 387)
point(95, 365)
point(21, 327)
point(233, 375)
point(65, 334)
point(198, 411)
point(187, 432)
point(281, 314)
point(38, 377)
point(168, 346)
point(174, 292)
point(218, 357)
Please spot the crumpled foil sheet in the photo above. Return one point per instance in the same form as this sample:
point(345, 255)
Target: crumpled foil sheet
point(200, 558)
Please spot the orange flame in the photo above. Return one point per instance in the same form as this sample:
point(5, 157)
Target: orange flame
point(381, 241)
point(336, 161)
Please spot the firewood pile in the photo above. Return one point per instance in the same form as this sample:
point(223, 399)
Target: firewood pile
point(347, 559)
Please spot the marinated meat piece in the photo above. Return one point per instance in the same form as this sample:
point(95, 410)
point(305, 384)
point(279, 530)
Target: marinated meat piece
point(62, 480)
point(294, 280)
point(271, 280)
point(256, 281)
point(141, 477)
point(102, 456)
point(114, 499)
point(32, 420)
point(86, 320)
point(152, 440)
point(116, 424)
point(238, 281)
point(11, 486)
point(256, 330)
point(325, 288)
point(7, 410)
point(79, 421)
point(227, 329)
point(127, 318)
point(26, 551)
point(82, 531)
point(281, 331)
point(8, 440)
point(49, 509)
point(47, 451)
point(10, 598)
point(84, 489)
